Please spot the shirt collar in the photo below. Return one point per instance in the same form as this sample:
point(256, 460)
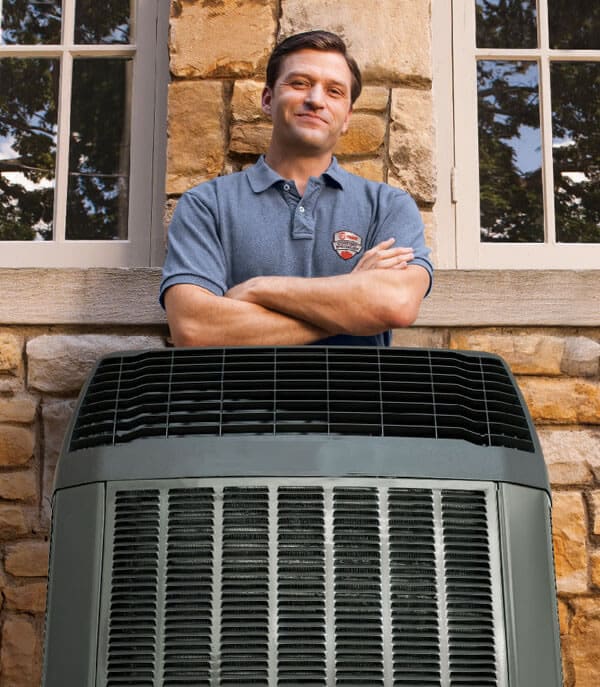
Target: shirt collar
point(262, 177)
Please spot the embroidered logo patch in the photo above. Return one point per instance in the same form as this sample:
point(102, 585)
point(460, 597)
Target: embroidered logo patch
point(347, 244)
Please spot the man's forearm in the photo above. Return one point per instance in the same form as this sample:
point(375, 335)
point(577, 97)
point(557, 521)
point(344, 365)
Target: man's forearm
point(197, 318)
point(361, 303)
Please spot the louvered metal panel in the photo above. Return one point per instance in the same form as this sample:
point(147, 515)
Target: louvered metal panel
point(414, 588)
point(302, 391)
point(288, 582)
point(134, 589)
point(189, 585)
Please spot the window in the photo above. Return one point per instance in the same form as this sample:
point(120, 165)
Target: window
point(82, 103)
point(527, 133)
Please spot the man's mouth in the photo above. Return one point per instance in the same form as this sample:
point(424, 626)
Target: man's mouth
point(311, 116)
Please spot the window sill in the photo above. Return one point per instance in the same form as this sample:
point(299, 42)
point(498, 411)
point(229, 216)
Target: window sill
point(460, 298)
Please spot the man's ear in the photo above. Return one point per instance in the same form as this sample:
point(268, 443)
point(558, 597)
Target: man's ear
point(266, 98)
point(347, 121)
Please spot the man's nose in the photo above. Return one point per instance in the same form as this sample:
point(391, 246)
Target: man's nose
point(315, 96)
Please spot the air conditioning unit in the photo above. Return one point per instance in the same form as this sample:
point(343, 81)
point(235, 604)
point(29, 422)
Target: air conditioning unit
point(301, 516)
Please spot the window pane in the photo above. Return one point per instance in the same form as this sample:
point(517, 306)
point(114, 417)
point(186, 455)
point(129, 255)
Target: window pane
point(506, 23)
point(28, 107)
point(510, 157)
point(28, 23)
point(574, 25)
point(103, 22)
point(575, 88)
point(98, 194)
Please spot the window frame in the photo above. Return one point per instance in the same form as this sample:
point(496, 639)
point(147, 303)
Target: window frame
point(144, 244)
point(469, 252)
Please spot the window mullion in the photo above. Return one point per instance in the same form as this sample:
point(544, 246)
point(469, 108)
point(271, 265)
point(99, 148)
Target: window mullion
point(64, 123)
point(546, 119)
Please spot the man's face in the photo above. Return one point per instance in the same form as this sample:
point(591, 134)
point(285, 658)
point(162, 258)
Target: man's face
point(310, 101)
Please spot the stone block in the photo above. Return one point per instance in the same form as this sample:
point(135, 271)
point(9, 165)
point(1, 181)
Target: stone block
point(419, 337)
point(570, 542)
point(368, 169)
point(564, 401)
point(56, 416)
point(391, 43)
point(595, 566)
point(595, 511)
point(11, 353)
point(13, 521)
point(222, 38)
point(21, 654)
point(528, 354)
point(365, 135)
point(372, 99)
point(581, 357)
point(59, 364)
point(11, 385)
point(430, 234)
point(246, 101)
point(582, 645)
point(29, 598)
point(19, 408)
point(196, 137)
point(564, 617)
point(250, 138)
point(18, 485)
point(568, 453)
point(16, 445)
point(27, 559)
point(411, 143)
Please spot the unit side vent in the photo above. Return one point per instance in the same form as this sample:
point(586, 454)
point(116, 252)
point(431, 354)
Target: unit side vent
point(339, 583)
point(302, 391)
point(134, 591)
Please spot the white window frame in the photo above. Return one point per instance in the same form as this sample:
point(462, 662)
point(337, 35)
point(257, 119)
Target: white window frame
point(458, 170)
point(143, 246)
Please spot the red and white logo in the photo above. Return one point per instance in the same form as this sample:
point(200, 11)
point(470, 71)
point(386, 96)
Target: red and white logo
point(347, 244)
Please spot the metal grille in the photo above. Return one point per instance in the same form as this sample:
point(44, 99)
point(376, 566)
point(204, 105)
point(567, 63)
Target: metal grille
point(310, 390)
point(134, 590)
point(340, 582)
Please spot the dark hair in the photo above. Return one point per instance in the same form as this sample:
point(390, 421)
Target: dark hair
point(314, 40)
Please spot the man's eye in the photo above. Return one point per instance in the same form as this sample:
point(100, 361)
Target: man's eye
point(337, 92)
point(299, 83)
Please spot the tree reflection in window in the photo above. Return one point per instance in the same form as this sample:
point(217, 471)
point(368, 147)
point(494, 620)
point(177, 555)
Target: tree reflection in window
point(576, 150)
point(30, 23)
point(510, 141)
point(28, 124)
point(510, 179)
point(102, 22)
point(97, 205)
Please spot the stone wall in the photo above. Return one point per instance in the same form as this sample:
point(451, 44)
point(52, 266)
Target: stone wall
point(41, 372)
point(219, 52)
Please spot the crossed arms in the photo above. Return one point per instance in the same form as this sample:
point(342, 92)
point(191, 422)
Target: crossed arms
point(382, 292)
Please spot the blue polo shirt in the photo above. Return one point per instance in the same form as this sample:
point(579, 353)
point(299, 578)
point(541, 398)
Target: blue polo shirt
point(255, 223)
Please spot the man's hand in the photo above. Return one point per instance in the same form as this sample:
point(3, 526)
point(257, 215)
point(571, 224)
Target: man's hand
point(384, 257)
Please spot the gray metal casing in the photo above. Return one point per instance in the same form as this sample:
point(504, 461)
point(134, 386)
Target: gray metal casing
point(520, 539)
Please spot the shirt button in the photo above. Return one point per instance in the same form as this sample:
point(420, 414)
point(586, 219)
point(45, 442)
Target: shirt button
point(286, 187)
point(301, 209)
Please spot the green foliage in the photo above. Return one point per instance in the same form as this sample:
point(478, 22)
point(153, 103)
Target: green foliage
point(99, 143)
point(510, 198)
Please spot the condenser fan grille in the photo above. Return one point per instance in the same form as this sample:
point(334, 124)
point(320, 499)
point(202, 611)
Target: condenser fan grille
point(338, 582)
point(302, 391)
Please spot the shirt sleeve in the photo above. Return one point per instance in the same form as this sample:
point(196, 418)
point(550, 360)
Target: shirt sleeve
point(399, 218)
point(194, 250)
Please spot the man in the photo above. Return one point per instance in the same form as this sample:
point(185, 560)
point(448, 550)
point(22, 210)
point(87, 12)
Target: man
point(295, 250)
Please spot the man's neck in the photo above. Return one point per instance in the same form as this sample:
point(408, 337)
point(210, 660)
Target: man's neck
point(298, 169)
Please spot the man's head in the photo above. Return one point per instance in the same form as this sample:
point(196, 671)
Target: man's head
point(313, 40)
